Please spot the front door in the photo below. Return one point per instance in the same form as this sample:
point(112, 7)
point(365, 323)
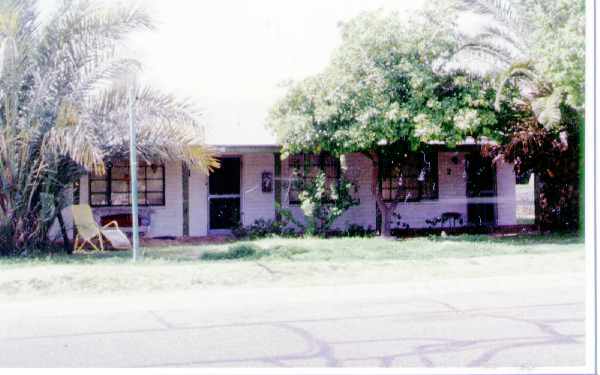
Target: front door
point(224, 195)
point(481, 185)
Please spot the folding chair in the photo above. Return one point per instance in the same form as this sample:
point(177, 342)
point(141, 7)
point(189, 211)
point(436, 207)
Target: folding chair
point(88, 230)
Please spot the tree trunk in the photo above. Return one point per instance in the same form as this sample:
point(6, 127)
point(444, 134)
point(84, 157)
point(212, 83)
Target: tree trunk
point(387, 209)
point(66, 243)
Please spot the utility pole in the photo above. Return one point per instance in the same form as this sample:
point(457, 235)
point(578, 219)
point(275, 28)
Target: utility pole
point(133, 177)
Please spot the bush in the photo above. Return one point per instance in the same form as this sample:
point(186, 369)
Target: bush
point(237, 251)
point(321, 203)
point(356, 230)
point(262, 228)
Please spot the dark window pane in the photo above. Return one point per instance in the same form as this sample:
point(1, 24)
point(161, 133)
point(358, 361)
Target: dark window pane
point(154, 185)
point(481, 176)
point(481, 214)
point(150, 178)
point(119, 186)
point(305, 167)
point(224, 213)
point(98, 186)
point(120, 199)
point(412, 177)
point(120, 173)
point(156, 199)
point(98, 200)
point(226, 179)
point(155, 171)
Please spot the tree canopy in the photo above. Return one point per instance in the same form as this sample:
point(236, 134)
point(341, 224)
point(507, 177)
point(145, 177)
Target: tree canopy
point(386, 90)
point(64, 108)
point(539, 45)
point(385, 85)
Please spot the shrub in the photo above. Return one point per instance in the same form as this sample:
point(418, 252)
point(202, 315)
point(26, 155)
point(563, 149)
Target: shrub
point(237, 251)
point(322, 203)
point(262, 228)
point(356, 230)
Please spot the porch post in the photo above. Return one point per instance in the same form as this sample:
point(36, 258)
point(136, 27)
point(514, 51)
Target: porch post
point(76, 199)
point(185, 188)
point(133, 177)
point(277, 172)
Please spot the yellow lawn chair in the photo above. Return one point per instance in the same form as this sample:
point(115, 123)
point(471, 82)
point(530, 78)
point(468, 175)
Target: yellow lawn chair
point(88, 230)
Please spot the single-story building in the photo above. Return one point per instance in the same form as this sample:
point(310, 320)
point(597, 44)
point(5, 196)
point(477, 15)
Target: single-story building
point(454, 184)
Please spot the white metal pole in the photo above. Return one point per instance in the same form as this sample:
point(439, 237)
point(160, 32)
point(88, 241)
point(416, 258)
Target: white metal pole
point(133, 177)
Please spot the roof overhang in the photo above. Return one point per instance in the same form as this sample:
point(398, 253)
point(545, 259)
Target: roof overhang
point(246, 149)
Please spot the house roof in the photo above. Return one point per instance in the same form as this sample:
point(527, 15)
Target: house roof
point(246, 149)
point(241, 148)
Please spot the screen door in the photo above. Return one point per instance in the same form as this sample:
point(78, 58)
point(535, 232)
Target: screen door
point(224, 195)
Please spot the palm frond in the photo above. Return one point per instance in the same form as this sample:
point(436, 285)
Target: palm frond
point(522, 70)
point(480, 51)
point(502, 11)
point(82, 38)
point(547, 109)
point(167, 128)
point(77, 143)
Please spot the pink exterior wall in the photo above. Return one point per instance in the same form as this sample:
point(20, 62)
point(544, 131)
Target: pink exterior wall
point(359, 169)
point(452, 194)
point(168, 220)
point(255, 203)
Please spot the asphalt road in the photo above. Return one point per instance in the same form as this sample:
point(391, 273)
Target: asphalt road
point(489, 322)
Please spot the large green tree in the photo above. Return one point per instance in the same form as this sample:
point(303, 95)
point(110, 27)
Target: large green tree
point(385, 93)
point(539, 47)
point(63, 110)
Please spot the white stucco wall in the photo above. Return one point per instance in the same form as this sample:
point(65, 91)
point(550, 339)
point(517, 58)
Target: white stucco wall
point(198, 201)
point(452, 181)
point(452, 197)
point(255, 203)
point(166, 220)
point(360, 171)
point(451, 194)
point(507, 194)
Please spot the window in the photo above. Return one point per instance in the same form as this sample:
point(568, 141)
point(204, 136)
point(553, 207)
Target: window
point(305, 167)
point(411, 178)
point(481, 176)
point(114, 188)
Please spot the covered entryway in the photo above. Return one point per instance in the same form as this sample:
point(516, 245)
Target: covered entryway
point(481, 191)
point(224, 199)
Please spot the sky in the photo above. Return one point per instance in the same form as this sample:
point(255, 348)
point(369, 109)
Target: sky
point(229, 57)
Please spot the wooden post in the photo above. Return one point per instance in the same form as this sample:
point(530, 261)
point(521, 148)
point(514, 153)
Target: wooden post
point(277, 172)
point(185, 182)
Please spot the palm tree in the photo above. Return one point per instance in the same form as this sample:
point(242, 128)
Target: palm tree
point(516, 44)
point(538, 48)
point(63, 111)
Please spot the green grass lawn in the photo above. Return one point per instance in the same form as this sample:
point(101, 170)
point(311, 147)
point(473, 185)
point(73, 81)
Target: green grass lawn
point(318, 249)
point(288, 262)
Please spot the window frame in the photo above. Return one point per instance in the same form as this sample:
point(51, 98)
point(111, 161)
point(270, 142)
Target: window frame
point(386, 177)
point(108, 180)
point(322, 158)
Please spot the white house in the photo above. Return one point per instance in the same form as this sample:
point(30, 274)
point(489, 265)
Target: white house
point(253, 180)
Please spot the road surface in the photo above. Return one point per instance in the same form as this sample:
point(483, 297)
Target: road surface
point(515, 321)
